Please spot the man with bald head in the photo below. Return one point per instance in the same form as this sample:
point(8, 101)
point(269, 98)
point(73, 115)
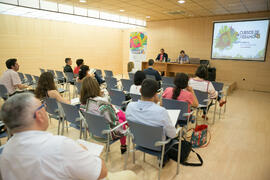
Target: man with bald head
point(33, 153)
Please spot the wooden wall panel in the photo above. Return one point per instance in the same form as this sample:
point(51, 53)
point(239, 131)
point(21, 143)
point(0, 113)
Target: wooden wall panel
point(42, 43)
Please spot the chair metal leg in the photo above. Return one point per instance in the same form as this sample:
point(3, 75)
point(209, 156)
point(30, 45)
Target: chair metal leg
point(179, 152)
point(214, 119)
point(107, 146)
point(63, 126)
point(219, 113)
point(197, 112)
point(161, 161)
point(133, 153)
point(66, 125)
point(59, 124)
point(144, 157)
point(127, 154)
point(81, 129)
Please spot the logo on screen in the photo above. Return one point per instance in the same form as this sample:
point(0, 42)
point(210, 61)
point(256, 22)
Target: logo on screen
point(226, 37)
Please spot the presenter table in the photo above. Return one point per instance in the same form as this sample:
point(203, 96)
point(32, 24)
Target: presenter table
point(171, 69)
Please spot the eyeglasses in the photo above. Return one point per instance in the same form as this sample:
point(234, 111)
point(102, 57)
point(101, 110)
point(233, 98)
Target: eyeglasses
point(39, 108)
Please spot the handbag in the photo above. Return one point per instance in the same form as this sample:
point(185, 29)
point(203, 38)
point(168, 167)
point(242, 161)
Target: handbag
point(186, 148)
point(199, 136)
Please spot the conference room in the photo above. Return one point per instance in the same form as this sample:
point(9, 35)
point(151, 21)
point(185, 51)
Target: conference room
point(146, 89)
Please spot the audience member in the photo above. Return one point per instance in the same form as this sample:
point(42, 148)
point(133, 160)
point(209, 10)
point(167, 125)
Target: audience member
point(33, 153)
point(10, 77)
point(200, 83)
point(92, 96)
point(183, 58)
point(162, 57)
point(181, 91)
point(151, 71)
point(84, 71)
point(46, 88)
point(79, 63)
point(147, 111)
point(138, 79)
point(68, 67)
point(130, 67)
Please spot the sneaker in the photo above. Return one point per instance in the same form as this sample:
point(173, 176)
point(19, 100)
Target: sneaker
point(221, 103)
point(203, 116)
point(123, 148)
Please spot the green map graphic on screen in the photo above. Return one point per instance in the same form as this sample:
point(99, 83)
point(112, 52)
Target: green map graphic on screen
point(226, 37)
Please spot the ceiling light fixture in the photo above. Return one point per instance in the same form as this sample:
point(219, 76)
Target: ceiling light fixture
point(181, 1)
point(121, 10)
point(83, 1)
point(147, 17)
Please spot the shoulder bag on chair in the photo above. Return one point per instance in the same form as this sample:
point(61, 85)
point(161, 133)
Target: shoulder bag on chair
point(186, 147)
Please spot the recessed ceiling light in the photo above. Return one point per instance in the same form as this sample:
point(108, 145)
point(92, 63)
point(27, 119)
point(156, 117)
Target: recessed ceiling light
point(147, 17)
point(83, 1)
point(181, 1)
point(122, 10)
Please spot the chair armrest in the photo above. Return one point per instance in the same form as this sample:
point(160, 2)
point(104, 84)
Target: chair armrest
point(188, 114)
point(178, 130)
point(201, 106)
point(111, 130)
point(126, 102)
point(161, 143)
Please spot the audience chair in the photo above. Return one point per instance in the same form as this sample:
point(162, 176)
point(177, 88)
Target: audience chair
point(72, 114)
point(108, 73)
point(111, 83)
point(51, 71)
point(150, 77)
point(99, 72)
point(135, 97)
point(70, 80)
point(60, 77)
point(126, 84)
point(30, 80)
point(53, 110)
point(167, 80)
point(165, 86)
point(36, 78)
point(131, 76)
point(117, 97)
point(78, 86)
point(148, 139)
point(42, 70)
point(3, 92)
point(99, 131)
point(23, 80)
point(218, 87)
point(184, 115)
point(203, 101)
point(1, 150)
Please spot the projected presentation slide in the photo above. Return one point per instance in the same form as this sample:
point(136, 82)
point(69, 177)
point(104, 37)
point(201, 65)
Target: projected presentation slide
point(240, 40)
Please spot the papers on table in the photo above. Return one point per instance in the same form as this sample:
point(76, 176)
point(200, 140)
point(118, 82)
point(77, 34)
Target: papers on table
point(93, 148)
point(174, 115)
point(75, 101)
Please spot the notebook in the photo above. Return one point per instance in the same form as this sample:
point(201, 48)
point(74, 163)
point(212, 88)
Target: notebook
point(93, 148)
point(174, 115)
point(75, 101)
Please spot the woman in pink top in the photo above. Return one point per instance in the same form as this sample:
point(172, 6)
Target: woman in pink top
point(181, 91)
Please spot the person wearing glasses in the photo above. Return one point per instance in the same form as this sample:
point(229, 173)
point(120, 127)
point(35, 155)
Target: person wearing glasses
point(33, 153)
point(46, 88)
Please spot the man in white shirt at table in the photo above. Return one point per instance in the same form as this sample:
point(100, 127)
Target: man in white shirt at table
point(33, 153)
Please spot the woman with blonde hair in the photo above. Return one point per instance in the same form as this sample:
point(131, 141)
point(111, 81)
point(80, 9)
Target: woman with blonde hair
point(130, 67)
point(92, 98)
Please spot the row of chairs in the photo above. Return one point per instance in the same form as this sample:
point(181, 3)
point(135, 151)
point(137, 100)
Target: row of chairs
point(147, 139)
